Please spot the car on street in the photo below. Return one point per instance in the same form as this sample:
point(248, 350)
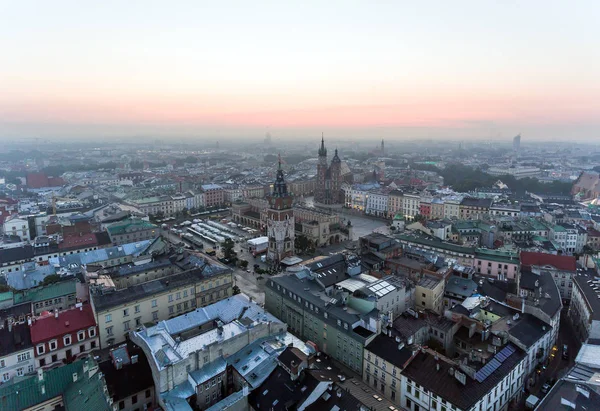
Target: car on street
point(565, 352)
point(545, 388)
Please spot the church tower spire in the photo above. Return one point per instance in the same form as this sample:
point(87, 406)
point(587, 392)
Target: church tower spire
point(322, 149)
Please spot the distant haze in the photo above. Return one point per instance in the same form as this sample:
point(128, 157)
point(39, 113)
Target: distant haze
point(223, 69)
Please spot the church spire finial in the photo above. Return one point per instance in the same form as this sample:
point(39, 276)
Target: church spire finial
point(279, 160)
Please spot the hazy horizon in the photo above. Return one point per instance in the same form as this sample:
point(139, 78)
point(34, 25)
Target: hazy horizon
point(353, 70)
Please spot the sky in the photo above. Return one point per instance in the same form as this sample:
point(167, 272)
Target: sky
point(353, 69)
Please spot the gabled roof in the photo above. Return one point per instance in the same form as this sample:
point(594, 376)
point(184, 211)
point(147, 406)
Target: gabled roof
point(69, 321)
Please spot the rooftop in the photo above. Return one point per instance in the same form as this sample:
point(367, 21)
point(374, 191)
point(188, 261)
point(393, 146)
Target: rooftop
point(16, 339)
point(560, 262)
point(390, 350)
point(590, 288)
point(56, 381)
point(105, 300)
point(131, 378)
point(422, 370)
point(234, 312)
point(72, 320)
point(129, 226)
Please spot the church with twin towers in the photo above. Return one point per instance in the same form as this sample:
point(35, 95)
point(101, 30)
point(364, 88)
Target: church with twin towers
point(330, 177)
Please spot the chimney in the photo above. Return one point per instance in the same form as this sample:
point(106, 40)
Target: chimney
point(9, 326)
point(56, 314)
point(66, 324)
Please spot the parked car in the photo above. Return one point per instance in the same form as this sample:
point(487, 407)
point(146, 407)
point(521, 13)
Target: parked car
point(545, 388)
point(565, 352)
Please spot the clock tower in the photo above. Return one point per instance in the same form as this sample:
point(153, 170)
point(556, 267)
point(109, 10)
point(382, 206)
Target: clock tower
point(280, 220)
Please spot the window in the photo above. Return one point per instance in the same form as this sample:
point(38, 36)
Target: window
point(80, 335)
point(21, 357)
point(171, 309)
point(121, 405)
point(153, 303)
point(178, 296)
point(5, 377)
point(109, 330)
point(30, 369)
point(148, 393)
point(126, 326)
point(108, 318)
point(67, 339)
point(137, 309)
point(92, 332)
point(42, 362)
point(134, 399)
point(41, 349)
point(170, 298)
point(155, 315)
point(126, 312)
point(138, 321)
point(53, 345)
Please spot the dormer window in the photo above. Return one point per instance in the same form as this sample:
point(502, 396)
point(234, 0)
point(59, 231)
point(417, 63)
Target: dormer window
point(67, 339)
point(81, 336)
point(92, 332)
point(53, 345)
point(41, 349)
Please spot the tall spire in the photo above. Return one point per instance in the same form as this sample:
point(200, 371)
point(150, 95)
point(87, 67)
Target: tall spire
point(322, 150)
point(279, 187)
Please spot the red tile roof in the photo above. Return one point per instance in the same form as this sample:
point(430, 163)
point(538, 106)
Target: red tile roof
point(37, 180)
point(561, 262)
point(76, 241)
point(49, 327)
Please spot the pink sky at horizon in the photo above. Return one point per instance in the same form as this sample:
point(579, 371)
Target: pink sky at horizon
point(348, 66)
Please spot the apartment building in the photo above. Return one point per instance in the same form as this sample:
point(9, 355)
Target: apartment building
point(64, 335)
point(411, 205)
point(132, 230)
point(119, 311)
point(377, 203)
point(213, 195)
point(452, 208)
point(306, 303)
point(474, 208)
point(395, 202)
point(431, 381)
point(187, 353)
point(16, 352)
point(584, 310)
point(429, 294)
point(17, 226)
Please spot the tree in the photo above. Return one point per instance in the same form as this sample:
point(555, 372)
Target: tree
point(419, 217)
point(301, 243)
point(587, 250)
point(244, 264)
point(236, 290)
point(228, 251)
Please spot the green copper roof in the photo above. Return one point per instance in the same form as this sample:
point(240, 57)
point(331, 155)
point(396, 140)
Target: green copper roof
point(21, 393)
point(399, 216)
point(129, 225)
point(47, 292)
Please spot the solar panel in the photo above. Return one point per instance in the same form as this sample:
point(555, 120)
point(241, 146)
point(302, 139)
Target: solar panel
point(495, 363)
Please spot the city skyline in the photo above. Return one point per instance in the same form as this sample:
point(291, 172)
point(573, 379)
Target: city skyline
point(400, 71)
